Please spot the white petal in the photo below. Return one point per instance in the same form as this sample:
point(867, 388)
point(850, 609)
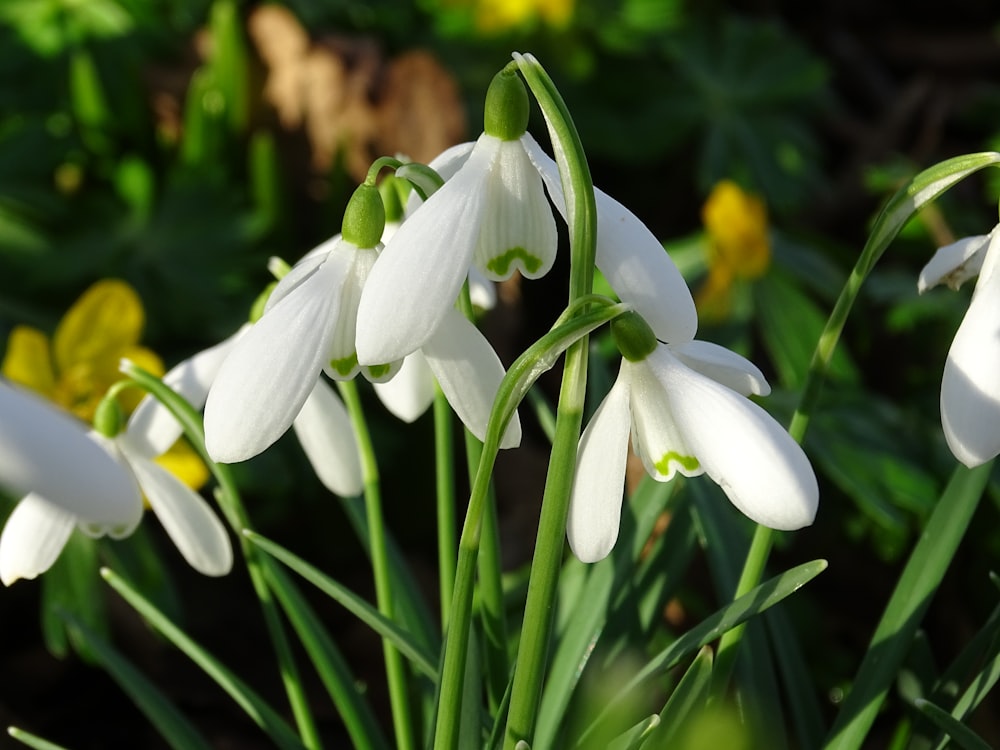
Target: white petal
point(305, 267)
point(956, 263)
point(970, 387)
point(417, 278)
point(152, 429)
point(632, 260)
point(595, 505)
point(482, 291)
point(343, 358)
point(33, 537)
point(741, 447)
point(519, 232)
point(722, 365)
point(190, 523)
point(272, 370)
point(46, 451)
point(446, 164)
point(469, 373)
point(324, 430)
point(656, 437)
point(410, 393)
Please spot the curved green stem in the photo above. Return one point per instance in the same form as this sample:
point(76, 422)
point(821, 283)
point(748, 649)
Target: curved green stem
point(536, 631)
point(922, 189)
point(445, 482)
point(395, 667)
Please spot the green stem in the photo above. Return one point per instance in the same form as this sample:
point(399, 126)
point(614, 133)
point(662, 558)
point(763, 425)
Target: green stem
point(232, 507)
point(922, 189)
point(445, 479)
point(581, 210)
point(395, 666)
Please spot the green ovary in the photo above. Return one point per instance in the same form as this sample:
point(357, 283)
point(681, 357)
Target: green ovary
point(501, 264)
point(689, 463)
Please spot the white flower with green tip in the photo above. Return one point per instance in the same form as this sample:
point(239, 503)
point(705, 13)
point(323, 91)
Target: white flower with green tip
point(41, 524)
point(970, 385)
point(686, 409)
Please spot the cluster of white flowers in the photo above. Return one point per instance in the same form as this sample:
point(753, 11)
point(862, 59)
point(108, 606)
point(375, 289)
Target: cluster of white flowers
point(382, 304)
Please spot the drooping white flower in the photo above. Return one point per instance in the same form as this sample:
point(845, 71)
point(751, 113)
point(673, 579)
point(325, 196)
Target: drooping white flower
point(308, 327)
point(970, 385)
point(491, 214)
point(322, 425)
point(45, 451)
point(686, 409)
point(40, 525)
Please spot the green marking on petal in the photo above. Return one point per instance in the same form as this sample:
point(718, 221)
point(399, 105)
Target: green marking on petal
point(501, 264)
point(379, 371)
point(345, 365)
point(690, 463)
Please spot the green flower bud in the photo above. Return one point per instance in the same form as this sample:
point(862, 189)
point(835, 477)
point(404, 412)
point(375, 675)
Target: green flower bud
point(109, 420)
point(633, 337)
point(507, 107)
point(364, 217)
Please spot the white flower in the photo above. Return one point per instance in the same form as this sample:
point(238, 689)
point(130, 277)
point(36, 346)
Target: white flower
point(322, 425)
point(492, 215)
point(40, 525)
point(686, 410)
point(970, 386)
point(308, 327)
point(46, 451)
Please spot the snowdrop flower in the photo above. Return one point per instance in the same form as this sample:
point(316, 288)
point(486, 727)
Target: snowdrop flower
point(46, 451)
point(322, 425)
point(685, 406)
point(41, 524)
point(308, 327)
point(970, 386)
point(492, 215)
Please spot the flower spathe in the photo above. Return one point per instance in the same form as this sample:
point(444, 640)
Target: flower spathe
point(686, 409)
point(970, 385)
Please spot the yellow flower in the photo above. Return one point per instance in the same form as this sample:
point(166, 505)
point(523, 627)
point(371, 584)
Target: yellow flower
point(738, 245)
point(78, 365)
point(497, 16)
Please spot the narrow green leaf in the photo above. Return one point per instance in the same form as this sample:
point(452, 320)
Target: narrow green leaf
point(328, 662)
point(171, 724)
point(757, 600)
point(799, 685)
point(255, 706)
point(636, 735)
point(687, 700)
point(916, 586)
point(956, 730)
point(32, 740)
point(361, 609)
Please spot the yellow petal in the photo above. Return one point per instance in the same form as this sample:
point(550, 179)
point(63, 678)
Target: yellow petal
point(28, 360)
point(184, 463)
point(714, 299)
point(107, 318)
point(738, 231)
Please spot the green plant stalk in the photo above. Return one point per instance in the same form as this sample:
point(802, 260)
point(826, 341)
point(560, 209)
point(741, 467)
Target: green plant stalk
point(921, 190)
point(573, 325)
point(232, 507)
point(445, 485)
point(910, 599)
point(395, 666)
point(581, 210)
